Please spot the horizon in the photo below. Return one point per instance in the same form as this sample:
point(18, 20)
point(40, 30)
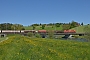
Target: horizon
point(27, 12)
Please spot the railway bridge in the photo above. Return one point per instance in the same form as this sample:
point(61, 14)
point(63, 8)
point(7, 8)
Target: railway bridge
point(42, 34)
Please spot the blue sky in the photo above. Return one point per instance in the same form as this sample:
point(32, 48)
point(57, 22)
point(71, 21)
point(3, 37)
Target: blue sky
point(28, 12)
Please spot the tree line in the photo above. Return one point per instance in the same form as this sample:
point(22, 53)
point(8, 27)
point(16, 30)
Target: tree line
point(10, 26)
point(65, 26)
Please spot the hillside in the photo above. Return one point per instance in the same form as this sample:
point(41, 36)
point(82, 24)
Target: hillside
point(80, 29)
point(25, 48)
point(46, 28)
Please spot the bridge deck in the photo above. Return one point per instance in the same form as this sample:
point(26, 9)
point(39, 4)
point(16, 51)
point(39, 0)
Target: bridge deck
point(47, 33)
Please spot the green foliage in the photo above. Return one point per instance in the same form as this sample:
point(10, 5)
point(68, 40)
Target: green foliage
point(9, 26)
point(5, 26)
point(57, 24)
point(17, 27)
point(40, 24)
point(74, 24)
point(37, 35)
point(51, 34)
point(25, 48)
point(82, 23)
point(30, 34)
point(66, 26)
point(50, 24)
point(33, 27)
point(43, 26)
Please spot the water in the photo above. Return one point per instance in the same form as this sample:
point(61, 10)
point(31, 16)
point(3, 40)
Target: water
point(66, 38)
point(75, 39)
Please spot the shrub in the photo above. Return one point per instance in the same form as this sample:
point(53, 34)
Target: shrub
point(30, 34)
point(37, 35)
point(51, 34)
point(43, 26)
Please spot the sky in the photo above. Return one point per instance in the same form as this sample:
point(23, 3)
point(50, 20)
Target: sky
point(27, 12)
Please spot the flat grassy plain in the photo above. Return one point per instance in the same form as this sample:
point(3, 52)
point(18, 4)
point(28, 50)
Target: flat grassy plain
point(25, 48)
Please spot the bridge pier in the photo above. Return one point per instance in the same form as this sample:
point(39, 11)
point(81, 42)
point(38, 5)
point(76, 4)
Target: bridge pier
point(68, 36)
point(2, 35)
point(81, 34)
point(43, 35)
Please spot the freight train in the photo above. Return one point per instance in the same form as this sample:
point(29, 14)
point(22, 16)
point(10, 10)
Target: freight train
point(34, 31)
point(15, 31)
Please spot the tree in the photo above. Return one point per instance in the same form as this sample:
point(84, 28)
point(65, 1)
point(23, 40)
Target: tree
point(50, 24)
point(82, 23)
point(33, 27)
point(57, 24)
point(17, 27)
point(66, 26)
point(5, 26)
point(43, 26)
point(74, 24)
point(40, 24)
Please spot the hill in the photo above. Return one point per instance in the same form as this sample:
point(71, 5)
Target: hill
point(25, 48)
point(46, 28)
point(80, 29)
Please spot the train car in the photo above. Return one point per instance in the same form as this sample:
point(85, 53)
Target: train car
point(10, 31)
point(57, 31)
point(69, 31)
point(42, 31)
point(26, 31)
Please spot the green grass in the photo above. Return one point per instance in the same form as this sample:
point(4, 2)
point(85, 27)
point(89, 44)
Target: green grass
point(80, 29)
point(2, 38)
point(46, 28)
point(28, 27)
point(25, 48)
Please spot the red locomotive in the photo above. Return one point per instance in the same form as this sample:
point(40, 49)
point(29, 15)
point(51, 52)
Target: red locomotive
point(42, 31)
point(57, 31)
point(69, 31)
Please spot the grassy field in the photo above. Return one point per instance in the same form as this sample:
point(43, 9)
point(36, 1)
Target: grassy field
point(25, 48)
point(80, 29)
point(46, 28)
point(3, 38)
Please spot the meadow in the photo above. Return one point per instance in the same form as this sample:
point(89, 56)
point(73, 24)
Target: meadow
point(19, 47)
point(2, 39)
point(46, 28)
point(80, 29)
